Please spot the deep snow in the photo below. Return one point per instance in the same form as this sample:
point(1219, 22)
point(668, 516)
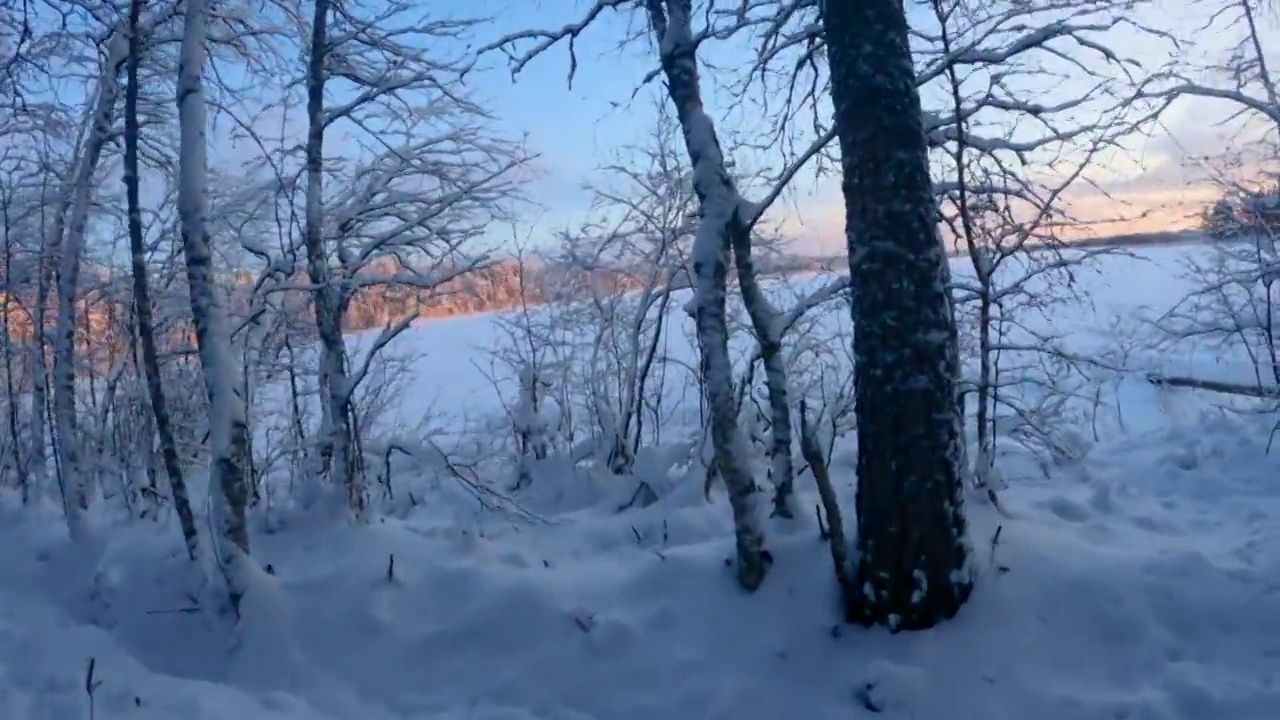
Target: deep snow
point(1141, 582)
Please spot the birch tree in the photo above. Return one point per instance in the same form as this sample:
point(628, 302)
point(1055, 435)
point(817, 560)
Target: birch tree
point(377, 66)
point(722, 213)
point(720, 218)
point(228, 429)
point(726, 219)
point(339, 448)
point(68, 244)
point(38, 412)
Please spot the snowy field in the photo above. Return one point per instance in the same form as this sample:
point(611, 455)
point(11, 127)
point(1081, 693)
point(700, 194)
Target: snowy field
point(1140, 581)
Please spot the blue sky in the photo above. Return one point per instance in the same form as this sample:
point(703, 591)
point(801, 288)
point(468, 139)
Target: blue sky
point(575, 129)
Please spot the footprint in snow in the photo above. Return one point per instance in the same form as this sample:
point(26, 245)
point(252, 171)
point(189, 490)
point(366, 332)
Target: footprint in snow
point(1067, 509)
point(1186, 458)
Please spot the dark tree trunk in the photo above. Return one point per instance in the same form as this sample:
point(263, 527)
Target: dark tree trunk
point(142, 295)
point(913, 543)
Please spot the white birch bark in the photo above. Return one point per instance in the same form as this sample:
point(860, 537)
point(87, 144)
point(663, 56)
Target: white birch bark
point(228, 429)
point(720, 206)
point(337, 433)
point(75, 475)
point(766, 325)
point(39, 441)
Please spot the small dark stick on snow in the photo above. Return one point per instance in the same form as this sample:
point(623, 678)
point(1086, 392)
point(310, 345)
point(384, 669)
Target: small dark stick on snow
point(995, 542)
point(391, 568)
point(91, 685)
point(192, 609)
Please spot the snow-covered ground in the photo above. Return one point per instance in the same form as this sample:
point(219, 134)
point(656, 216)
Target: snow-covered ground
point(1140, 582)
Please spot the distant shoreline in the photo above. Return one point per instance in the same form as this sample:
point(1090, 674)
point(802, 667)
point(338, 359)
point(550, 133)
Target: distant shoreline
point(1167, 238)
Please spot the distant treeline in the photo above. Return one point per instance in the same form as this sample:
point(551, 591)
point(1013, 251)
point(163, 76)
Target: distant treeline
point(1147, 239)
point(500, 286)
point(505, 284)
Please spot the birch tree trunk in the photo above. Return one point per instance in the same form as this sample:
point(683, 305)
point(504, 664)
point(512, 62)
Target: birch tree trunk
point(721, 206)
point(142, 295)
point(39, 448)
point(914, 553)
point(764, 322)
point(337, 438)
point(228, 429)
point(75, 474)
point(11, 392)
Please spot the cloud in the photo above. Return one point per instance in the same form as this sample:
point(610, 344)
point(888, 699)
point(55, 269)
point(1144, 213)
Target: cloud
point(1168, 196)
point(1179, 171)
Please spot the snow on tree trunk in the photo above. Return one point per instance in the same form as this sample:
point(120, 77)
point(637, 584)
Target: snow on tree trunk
point(51, 240)
point(764, 322)
point(39, 441)
point(913, 548)
point(530, 424)
point(142, 295)
point(338, 436)
point(11, 390)
point(720, 208)
point(75, 476)
point(228, 429)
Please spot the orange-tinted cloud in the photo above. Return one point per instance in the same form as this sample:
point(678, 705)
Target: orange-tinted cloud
point(816, 224)
point(1138, 211)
